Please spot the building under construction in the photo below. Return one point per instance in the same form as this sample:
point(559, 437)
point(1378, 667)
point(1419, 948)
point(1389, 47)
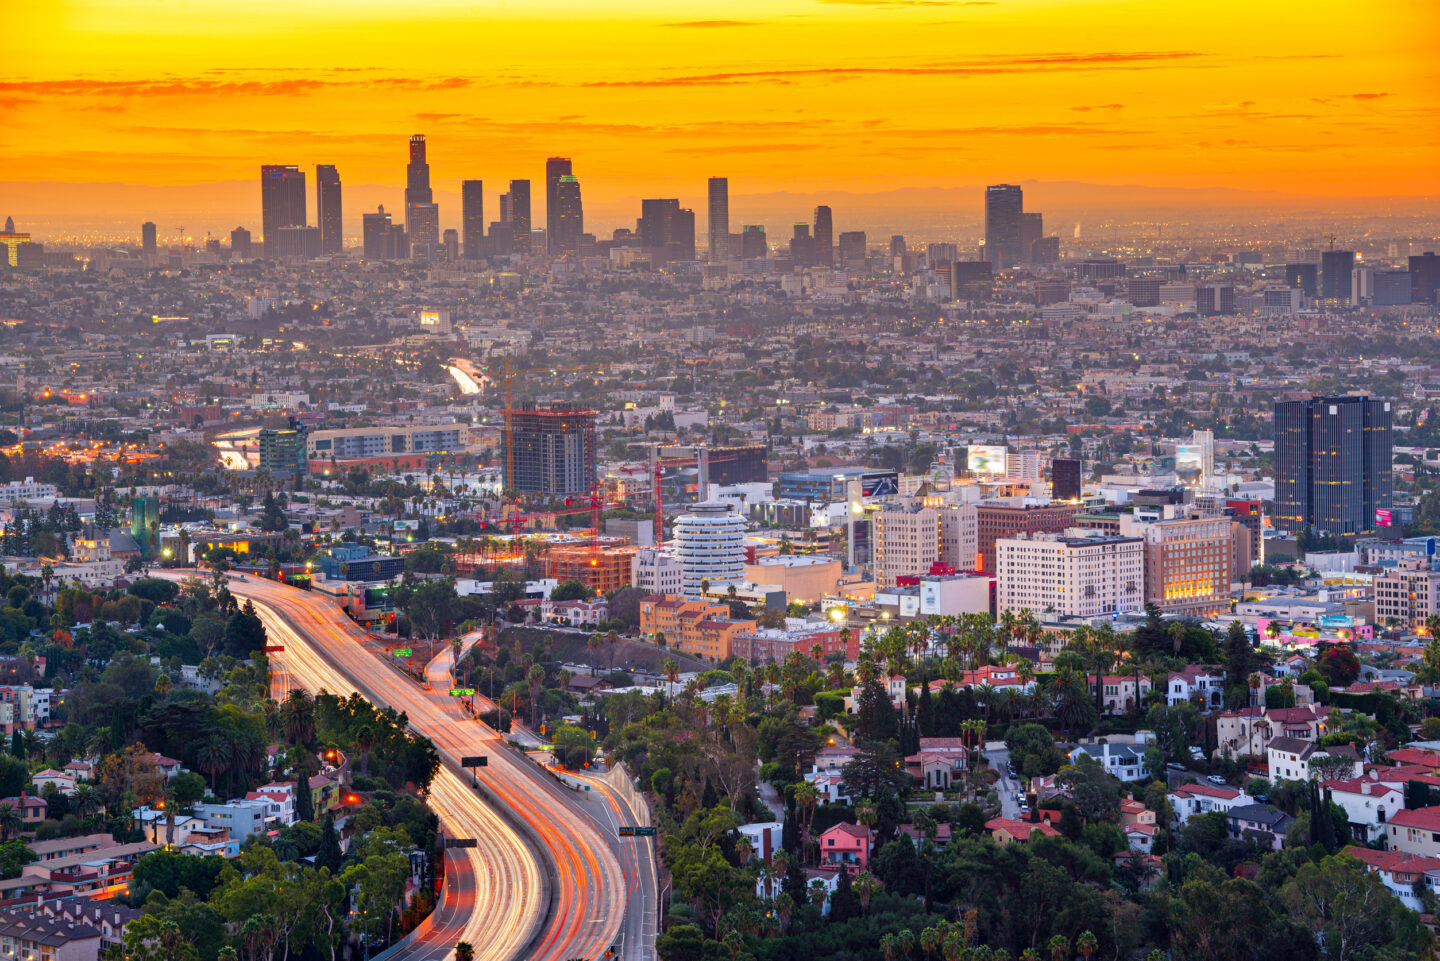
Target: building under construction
point(550, 451)
point(742, 464)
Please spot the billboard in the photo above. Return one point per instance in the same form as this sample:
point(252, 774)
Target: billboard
point(1383, 517)
point(880, 483)
point(1189, 457)
point(986, 459)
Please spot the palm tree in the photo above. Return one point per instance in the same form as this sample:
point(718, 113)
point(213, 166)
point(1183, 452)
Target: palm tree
point(865, 885)
point(890, 947)
point(1059, 947)
point(365, 740)
point(86, 800)
point(464, 951)
point(1087, 944)
point(671, 669)
point(536, 677)
point(594, 642)
point(805, 799)
point(866, 814)
point(299, 717)
point(10, 821)
point(818, 894)
point(213, 756)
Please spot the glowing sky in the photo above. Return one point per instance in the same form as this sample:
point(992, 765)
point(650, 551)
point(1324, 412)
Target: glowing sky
point(1315, 97)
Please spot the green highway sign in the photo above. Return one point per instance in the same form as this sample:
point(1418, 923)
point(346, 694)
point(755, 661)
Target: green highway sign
point(461, 691)
point(403, 652)
point(636, 832)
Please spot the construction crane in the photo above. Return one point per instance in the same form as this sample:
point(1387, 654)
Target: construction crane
point(703, 459)
point(1332, 238)
point(508, 374)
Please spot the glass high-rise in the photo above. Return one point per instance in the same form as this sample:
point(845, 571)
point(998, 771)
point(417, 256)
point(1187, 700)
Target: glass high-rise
point(327, 209)
point(555, 168)
point(282, 199)
point(422, 216)
point(520, 216)
point(1004, 204)
point(1336, 270)
point(719, 223)
point(472, 218)
point(1332, 463)
point(823, 237)
point(568, 222)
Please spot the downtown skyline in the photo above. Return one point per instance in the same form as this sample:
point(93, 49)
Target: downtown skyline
point(800, 97)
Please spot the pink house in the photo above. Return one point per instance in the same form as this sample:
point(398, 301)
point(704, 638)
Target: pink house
point(847, 844)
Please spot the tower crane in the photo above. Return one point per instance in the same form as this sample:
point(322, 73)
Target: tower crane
point(508, 374)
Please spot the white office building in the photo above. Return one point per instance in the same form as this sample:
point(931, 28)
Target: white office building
point(1069, 575)
point(657, 572)
point(710, 544)
point(905, 540)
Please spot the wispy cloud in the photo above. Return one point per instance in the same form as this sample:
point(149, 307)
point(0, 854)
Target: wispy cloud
point(1038, 63)
point(911, 3)
point(201, 87)
point(712, 24)
point(1086, 108)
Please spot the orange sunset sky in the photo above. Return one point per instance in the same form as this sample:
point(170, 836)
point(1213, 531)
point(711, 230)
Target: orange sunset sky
point(1318, 99)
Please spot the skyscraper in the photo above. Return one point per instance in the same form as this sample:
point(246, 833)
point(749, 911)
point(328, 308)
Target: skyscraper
point(550, 451)
point(417, 175)
point(327, 209)
point(472, 218)
point(665, 226)
point(823, 239)
point(1332, 463)
point(520, 216)
point(1335, 274)
point(377, 235)
point(1304, 276)
point(240, 242)
point(719, 223)
point(1004, 204)
point(851, 249)
point(1425, 278)
point(555, 168)
point(1032, 228)
point(282, 199)
point(753, 245)
point(567, 217)
point(802, 246)
point(147, 242)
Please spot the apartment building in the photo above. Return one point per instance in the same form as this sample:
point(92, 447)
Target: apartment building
point(906, 541)
point(960, 536)
point(1407, 594)
point(996, 521)
point(1187, 562)
point(697, 628)
point(1069, 576)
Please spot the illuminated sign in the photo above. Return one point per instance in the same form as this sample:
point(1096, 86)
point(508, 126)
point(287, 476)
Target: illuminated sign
point(1384, 517)
point(461, 691)
point(880, 483)
point(1189, 457)
point(985, 459)
point(402, 652)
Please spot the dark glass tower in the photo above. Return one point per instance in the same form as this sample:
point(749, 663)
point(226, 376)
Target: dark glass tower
point(1004, 203)
point(327, 209)
point(282, 199)
point(568, 222)
point(823, 238)
point(1336, 269)
point(555, 168)
point(472, 218)
point(520, 215)
point(719, 223)
point(1332, 463)
point(422, 218)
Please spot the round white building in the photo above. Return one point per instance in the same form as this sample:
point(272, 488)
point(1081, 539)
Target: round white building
point(710, 543)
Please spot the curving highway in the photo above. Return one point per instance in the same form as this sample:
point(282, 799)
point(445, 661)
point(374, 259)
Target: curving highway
point(541, 883)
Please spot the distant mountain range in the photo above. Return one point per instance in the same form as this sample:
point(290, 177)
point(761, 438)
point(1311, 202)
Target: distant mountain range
point(54, 209)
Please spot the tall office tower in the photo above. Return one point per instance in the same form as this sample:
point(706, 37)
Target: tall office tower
point(1214, 299)
point(1425, 278)
point(753, 245)
point(897, 245)
point(376, 234)
point(1143, 291)
point(1004, 204)
point(1332, 463)
point(472, 218)
point(971, 280)
point(282, 199)
point(665, 226)
point(568, 221)
point(327, 209)
point(417, 178)
point(148, 246)
point(851, 249)
point(802, 246)
point(423, 230)
point(1065, 479)
point(520, 216)
point(1304, 276)
point(719, 224)
point(1335, 274)
point(505, 208)
point(824, 237)
point(1046, 250)
point(1032, 228)
point(450, 240)
point(550, 451)
point(295, 242)
point(239, 242)
point(555, 168)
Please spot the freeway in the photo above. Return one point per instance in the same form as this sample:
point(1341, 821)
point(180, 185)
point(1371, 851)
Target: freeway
point(541, 883)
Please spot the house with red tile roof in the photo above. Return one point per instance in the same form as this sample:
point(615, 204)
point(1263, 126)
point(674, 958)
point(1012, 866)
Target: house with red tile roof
point(846, 844)
point(1007, 831)
point(1191, 799)
point(1198, 683)
point(1401, 872)
point(1118, 692)
point(1415, 831)
point(1369, 804)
